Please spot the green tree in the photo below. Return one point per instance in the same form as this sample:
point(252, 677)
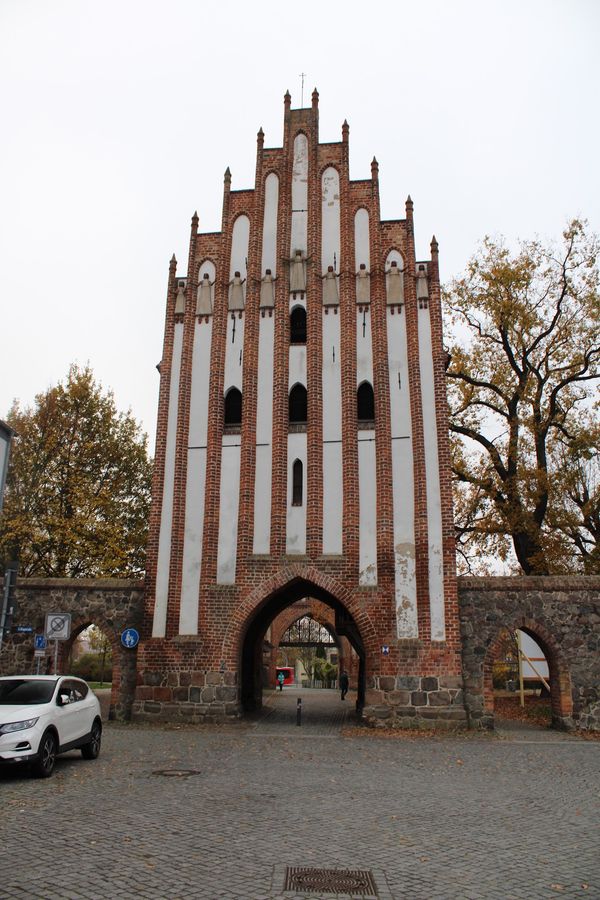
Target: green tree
point(78, 487)
point(524, 365)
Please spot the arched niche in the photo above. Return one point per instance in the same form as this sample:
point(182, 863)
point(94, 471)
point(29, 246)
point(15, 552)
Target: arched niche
point(298, 405)
point(233, 408)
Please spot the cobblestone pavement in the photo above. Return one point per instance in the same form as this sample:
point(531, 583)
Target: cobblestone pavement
point(448, 817)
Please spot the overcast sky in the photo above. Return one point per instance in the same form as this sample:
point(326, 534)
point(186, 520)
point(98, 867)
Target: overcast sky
point(119, 118)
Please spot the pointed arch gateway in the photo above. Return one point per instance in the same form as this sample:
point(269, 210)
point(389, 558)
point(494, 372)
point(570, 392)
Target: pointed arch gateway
point(256, 614)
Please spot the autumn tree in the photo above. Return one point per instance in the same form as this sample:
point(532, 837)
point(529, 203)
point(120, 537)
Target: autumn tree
point(523, 374)
point(78, 488)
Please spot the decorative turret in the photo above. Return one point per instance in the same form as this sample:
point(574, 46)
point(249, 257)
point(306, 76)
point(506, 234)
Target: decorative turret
point(260, 138)
point(435, 267)
point(409, 207)
point(315, 99)
point(345, 131)
point(226, 195)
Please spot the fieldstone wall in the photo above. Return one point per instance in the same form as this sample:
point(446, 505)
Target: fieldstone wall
point(111, 604)
point(413, 701)
point(562, 614)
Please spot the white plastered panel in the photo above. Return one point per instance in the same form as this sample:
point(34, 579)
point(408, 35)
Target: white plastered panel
point(296, 515)
point(164, 537)
point(402, 478)
point(297, 367)
point(367, 479)
point(367, 498)
point(332, 435)
point(228, 509)
point(234, 356)
point(432, 476)
point(269, 246)
point(229, 495)
point(364, 347)
point(362, 246)
point(196, 479)
point(330, 220)
point(298, 240)
point(264, 432)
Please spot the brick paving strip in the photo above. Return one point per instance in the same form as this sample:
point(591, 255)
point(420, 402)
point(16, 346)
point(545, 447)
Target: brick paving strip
point(449, 817)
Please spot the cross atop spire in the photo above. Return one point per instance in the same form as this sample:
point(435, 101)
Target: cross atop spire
point(302, 76)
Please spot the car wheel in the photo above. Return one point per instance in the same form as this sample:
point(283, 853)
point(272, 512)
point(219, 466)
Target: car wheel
point(43, 767)
point(92, 749)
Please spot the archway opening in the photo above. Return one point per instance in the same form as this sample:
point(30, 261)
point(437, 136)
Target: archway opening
point(266, 633)
point(96, 653)
point(526, 680)
point(93, 653)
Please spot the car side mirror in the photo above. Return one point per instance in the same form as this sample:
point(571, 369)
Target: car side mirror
point(62, 700)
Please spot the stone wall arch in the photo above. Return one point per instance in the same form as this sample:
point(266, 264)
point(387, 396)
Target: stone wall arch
point(562, 613)
point(111, 604)
point(559, 679)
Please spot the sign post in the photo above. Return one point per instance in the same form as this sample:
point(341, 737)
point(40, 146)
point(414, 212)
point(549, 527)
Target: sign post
point(58, 628)
point(40, 643)
point(8, 599)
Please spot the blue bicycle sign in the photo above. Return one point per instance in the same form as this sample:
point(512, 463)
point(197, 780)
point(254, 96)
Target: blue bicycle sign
point(130, 638)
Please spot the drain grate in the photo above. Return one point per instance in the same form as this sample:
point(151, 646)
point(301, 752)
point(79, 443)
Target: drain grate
point(177, 773)
point(331, 881)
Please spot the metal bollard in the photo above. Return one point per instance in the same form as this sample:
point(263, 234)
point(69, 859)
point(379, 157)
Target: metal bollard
point(299, 711)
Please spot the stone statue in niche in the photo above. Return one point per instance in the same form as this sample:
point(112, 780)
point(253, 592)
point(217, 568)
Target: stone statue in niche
point(204, 306)
point(422, 286)
point(236, 293)
point(267, 290)
point(180, 301)
point(395, 285)
point(298, 272)
point(363, 285)
point(330, 288)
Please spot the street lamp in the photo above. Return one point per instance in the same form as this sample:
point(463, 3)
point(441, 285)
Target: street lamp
point(6, 436)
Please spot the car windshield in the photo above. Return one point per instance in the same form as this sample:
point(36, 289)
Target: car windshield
point(21, 692)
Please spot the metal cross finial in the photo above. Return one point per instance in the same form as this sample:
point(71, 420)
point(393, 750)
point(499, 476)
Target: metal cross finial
point(302, 76)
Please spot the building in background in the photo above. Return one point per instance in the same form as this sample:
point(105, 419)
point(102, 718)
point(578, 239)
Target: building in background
point(6, 436)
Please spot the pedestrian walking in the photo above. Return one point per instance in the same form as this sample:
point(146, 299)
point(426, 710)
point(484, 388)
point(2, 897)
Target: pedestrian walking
point(280, 680)
point(344, 684)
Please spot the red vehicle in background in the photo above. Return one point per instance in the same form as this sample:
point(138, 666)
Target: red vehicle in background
point(288, 674)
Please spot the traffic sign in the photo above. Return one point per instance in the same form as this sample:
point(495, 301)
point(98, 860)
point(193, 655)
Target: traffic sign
point(40, 642)
point(385, 650)
point(58, 626)
point(22, 629)
point(130, 638)
point(39, 653)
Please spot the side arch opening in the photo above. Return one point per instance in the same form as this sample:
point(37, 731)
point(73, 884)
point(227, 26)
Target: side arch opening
point(501, 676)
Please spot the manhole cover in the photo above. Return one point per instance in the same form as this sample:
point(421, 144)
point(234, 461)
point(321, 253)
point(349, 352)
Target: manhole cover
point(177, 773)
point(331, 881)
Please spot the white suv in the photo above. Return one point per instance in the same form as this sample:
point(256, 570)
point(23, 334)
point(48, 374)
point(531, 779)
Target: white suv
point(43, 715)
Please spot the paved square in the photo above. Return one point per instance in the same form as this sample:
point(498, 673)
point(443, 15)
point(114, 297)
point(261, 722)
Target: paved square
point(472, 817)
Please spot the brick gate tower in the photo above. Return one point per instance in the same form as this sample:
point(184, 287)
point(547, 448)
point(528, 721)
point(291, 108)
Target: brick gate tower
point(302, 445)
